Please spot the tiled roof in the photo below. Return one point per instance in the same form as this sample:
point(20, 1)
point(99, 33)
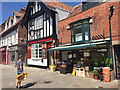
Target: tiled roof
point(52, 5)
point(77, 9)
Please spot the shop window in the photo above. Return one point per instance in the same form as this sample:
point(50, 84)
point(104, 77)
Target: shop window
point(80, 31)
point(36, 51)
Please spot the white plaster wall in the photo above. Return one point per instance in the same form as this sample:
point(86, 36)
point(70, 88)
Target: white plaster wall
point(62, 14)
point(51, 26)
point(37, 62)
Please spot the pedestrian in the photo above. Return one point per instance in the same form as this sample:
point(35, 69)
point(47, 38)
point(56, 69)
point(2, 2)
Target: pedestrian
point(19, 70)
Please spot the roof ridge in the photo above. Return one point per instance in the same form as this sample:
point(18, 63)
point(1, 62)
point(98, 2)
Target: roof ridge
point(61, 5)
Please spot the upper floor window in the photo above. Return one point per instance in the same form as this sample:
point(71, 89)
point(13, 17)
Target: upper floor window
point(80, 31)
point(32, 24)
point(39, 22)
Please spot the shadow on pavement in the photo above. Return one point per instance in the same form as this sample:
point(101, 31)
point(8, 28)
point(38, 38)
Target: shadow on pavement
point(29, 85)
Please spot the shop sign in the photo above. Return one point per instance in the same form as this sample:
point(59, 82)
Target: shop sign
point(3, 49)
point(13, 48)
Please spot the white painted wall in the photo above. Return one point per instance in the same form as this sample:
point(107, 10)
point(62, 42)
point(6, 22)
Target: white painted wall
point(62, 14)
point(57, 26)
point(51, 26)
point(6, 39)
point(37, 62)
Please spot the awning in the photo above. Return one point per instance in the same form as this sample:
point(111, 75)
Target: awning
point(76, 46)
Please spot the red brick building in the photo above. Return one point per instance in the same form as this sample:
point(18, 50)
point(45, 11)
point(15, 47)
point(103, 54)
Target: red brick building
point(86, 33)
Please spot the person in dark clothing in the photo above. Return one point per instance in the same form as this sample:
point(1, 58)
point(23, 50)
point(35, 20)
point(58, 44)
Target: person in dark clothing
point(19, 70)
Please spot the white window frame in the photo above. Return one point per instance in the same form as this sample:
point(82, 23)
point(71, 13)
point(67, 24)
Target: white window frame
point(33, 51)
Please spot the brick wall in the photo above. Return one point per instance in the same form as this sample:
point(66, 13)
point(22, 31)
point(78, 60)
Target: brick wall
point(22, 34)
point(99, 15)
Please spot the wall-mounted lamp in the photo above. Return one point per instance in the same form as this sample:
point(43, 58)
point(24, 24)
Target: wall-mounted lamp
point(68, 27)
point(90, 21)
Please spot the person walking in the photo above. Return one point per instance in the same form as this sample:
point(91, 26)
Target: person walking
point(19, 70)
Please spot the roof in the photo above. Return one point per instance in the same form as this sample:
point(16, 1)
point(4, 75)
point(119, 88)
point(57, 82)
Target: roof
point(77, 9)
point(53, 5)
point(12, 25)
point(19, 14)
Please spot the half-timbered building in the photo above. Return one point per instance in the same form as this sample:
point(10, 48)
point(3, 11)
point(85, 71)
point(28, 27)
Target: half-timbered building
point(41, 20)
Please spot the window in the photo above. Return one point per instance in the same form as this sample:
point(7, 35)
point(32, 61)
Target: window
point(36, 51)
point(39, 22)
point(32, 24)
point(80, 31)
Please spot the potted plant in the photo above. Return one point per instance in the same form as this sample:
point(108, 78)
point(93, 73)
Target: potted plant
point(95, 74)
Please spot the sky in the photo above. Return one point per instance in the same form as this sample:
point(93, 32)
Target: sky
point(9, 7)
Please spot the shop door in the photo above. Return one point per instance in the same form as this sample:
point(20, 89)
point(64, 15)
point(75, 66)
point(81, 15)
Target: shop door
point(12, 57)
point(117, 60)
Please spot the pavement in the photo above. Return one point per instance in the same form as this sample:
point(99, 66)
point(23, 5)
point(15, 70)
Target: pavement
point(44, 78)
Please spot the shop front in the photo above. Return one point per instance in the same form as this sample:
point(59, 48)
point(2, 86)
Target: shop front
point(88, 58)
point(14, 52)
point(38, 54)
point(3, 55)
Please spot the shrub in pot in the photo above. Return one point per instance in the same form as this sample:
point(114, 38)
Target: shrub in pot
point(95, 74)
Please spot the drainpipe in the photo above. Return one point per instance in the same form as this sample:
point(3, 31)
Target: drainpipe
point(111, 14)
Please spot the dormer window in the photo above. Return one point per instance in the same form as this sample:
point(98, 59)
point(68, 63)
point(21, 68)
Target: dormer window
point(11, 22)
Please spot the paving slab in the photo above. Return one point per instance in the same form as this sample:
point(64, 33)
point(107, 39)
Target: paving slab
point(44, 78)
